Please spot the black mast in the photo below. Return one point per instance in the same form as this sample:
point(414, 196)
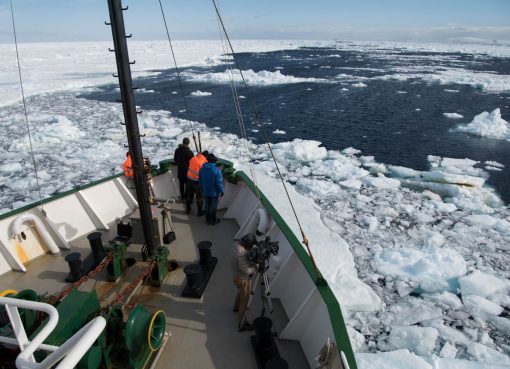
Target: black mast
point(131, 119)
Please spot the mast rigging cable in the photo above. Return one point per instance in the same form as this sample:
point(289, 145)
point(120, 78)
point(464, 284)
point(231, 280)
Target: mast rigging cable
point(25, 109)
point(266, 138)
point(188, 112)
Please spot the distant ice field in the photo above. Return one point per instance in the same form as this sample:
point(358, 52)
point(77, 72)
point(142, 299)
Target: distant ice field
point(393, 104)
point(405, 206)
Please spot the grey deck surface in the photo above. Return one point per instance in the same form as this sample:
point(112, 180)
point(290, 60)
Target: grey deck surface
point(203, 333)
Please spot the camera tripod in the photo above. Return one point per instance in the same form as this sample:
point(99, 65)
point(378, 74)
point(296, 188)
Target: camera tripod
point(265, 293)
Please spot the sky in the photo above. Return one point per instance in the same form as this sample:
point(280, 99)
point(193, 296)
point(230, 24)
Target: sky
point(384, 20)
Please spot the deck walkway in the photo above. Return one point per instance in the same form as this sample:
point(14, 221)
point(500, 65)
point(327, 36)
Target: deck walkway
point(203, 333)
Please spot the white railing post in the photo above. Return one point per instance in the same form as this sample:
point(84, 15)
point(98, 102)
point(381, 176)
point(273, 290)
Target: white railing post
point(70, 352)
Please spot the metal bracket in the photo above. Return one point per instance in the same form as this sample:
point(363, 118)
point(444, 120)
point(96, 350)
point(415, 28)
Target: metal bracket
point(135, 88)
point(133, 62)
point(139, 111)
point(111, 50)
point(107, 24)
point(126, 8)
point(122, 123)
point(142, 135)
point(129, 36)
point(115, 75)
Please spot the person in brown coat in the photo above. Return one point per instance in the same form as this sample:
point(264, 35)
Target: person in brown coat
point(243, 271)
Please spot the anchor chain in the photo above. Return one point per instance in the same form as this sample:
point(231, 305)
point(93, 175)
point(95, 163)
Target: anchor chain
point(133, 285)
point(100, 267)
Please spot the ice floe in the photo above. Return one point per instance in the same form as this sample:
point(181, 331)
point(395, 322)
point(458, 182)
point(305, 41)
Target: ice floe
point(453, 115)
point(487, 124)
point(201, 93)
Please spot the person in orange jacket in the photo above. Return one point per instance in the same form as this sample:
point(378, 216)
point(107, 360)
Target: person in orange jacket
point(193, 187)
point(128, 166)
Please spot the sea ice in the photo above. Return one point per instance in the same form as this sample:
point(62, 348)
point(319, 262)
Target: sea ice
point(480, 307)
point(435, 269)
point(263, 77)
point(453, 115)
point(399, 359)
point(201, 93)
point(486, 354)
point(418, 340)
point(482, 284)
point(487, 125)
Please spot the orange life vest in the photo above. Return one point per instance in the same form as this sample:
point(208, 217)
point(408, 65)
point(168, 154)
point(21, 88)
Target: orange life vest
point(194, 166)
point(128, 167)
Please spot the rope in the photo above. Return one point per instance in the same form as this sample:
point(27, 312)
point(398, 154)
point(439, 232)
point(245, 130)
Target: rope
point(25, 109)
point(186, 107)
point(266, 138)
point(239, 113)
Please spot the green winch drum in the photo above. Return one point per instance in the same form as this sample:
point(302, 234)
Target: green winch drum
point(144, 329)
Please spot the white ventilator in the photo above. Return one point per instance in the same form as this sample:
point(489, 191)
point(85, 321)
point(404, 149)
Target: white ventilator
point(39, 226)
point(257, 223)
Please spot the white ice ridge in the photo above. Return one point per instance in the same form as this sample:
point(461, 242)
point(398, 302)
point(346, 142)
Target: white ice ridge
point(262, 77)
point(396, 245)
point(487, 124)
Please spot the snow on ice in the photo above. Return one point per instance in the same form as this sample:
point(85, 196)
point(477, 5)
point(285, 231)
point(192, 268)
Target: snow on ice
point(487, 124)
point(419, 260)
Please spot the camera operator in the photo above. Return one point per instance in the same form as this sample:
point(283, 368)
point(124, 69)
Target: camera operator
point(243, 270)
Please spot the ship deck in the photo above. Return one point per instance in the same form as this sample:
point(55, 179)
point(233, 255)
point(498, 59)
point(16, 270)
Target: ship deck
point(203, 332)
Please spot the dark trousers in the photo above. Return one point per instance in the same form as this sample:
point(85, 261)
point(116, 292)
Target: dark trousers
point(192, 189)
point(210, 205)
point(182, 188)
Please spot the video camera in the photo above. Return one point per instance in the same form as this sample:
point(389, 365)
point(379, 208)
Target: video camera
point(261, 251)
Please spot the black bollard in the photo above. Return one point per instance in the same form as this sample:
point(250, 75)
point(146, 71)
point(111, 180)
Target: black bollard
point(193, 276)
point(277, 363)
point(263, 334)
point(124, 230)
point(204, 249)
point(75, 270)
point(96, 244)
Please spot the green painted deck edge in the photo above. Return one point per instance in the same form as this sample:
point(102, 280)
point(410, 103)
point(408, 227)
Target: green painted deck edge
point(334, 310)
point(58, 196)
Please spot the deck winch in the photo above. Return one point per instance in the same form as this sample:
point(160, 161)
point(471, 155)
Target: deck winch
point(125, 343)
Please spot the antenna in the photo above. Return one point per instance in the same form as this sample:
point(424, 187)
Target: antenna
point(131, 120)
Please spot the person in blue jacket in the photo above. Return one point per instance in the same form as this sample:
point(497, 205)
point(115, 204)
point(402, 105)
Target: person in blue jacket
point(211, 184)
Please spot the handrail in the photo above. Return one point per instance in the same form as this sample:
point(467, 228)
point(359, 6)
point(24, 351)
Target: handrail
point(70, 352)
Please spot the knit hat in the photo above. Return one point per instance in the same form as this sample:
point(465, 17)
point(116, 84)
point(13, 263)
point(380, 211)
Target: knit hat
point(185, 141)
point(211, 158)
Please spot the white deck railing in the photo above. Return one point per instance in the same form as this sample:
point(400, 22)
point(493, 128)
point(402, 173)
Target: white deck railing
point(69, 354)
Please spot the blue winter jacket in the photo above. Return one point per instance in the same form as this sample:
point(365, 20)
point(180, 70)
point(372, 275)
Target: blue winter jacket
point(210, 180)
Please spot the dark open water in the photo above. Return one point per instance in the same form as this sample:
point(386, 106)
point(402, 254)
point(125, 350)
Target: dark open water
point(377, 119)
